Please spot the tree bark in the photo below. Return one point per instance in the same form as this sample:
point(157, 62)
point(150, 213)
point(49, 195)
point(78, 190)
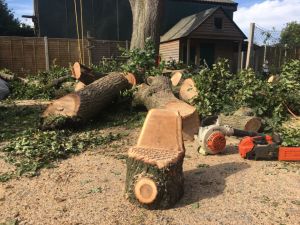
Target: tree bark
point(86, 103)
point(158, 94)
point(85, 74)
point(147, 16)
point(169, 183)
point(154, 178)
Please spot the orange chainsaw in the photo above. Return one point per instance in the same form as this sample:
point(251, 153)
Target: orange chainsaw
point(266, 147)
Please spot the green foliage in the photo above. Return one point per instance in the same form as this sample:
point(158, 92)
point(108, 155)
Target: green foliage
point(215, 93)
point(290, 35)
point(31, 149)
point(9, 25)
point(107, 66)
point(222, 91)
point(142, 62)
point(291, 137)
point(174, 65)
point(16, 119)
point(35, 88)
point(35, 149)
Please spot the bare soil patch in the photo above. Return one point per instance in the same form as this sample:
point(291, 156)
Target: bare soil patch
point(89, 189)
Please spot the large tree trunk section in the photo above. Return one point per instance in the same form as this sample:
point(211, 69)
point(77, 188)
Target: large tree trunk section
point(154, 178)
point(85, 74)
point(89, 101)
point(147, 16)
point(158, 94)
point(248, 123)
point(188, 90)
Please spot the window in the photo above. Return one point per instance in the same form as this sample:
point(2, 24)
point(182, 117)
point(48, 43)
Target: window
point(218, 23)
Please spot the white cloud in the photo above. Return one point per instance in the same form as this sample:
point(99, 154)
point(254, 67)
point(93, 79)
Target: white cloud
point(20, 8)
point(268, 14)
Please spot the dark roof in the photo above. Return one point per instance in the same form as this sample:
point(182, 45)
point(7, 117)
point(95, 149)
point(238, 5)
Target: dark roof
point(188, 24)
point(214, 1)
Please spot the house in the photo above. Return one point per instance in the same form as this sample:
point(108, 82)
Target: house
point(192, 30)
point(204, 37)
point(110, 19)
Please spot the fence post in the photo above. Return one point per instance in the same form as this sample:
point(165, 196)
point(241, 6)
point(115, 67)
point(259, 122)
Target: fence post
point(250, 45)
point(46, 54)
point(188, 44)
point(239, 63)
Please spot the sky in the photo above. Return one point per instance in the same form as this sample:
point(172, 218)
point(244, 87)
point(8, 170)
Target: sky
point(265, 13)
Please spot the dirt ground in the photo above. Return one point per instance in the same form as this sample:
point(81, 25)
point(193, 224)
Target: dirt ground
point(89, 189)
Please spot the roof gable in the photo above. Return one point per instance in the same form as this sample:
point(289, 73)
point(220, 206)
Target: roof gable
point(194, 23)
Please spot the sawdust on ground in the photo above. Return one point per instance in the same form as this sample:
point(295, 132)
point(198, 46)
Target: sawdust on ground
point(89, 189)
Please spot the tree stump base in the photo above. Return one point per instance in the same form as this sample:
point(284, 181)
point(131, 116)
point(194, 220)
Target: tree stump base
point(154, 178)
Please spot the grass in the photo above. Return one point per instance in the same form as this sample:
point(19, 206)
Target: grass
point(30, 149)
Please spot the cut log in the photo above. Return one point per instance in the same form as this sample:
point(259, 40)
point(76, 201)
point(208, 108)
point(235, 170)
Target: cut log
point(154, 178)
point(79, 86)
point(131, 79)
point(158, 94)
point(188, 90)
point(176, 78)
point(248, 123)
point(88, 102)
point(85, 74)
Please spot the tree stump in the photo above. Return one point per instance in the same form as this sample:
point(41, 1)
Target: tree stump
point(89, 101)
point(158, 94)
point(154, 178)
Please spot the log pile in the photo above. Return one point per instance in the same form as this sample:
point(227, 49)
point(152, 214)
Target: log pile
point(154, 178)
point(158, 94)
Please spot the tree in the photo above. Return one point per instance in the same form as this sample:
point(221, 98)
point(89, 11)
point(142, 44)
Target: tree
point(9, 25)
point(290, 35)
point(147, 15)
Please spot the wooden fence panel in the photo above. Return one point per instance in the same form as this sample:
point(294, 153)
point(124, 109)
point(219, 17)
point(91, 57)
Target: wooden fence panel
point(23, 55)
